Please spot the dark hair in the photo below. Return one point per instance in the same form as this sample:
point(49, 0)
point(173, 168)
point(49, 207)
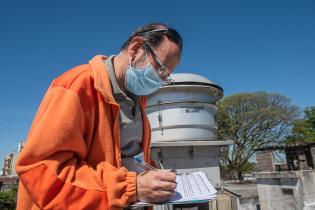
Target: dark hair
point(154, 33)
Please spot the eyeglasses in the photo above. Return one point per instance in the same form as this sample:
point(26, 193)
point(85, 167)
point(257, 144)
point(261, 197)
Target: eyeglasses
point(162, 70)
point(172, 34)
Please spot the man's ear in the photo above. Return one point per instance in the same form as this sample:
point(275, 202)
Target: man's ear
point(135, 45)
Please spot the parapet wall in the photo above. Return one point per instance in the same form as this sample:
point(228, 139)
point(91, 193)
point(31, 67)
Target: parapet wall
point(291, 190)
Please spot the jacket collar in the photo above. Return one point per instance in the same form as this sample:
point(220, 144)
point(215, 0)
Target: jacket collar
point(102, 81)
point(101, 78)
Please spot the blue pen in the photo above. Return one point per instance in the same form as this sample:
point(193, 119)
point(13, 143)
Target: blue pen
point(143, 163)
point(148, 166)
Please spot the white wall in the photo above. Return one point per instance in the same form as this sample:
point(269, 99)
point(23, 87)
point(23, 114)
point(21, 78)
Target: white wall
point(274, 190)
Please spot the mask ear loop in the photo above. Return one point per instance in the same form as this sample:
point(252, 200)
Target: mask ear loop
point(146, 54)
point(130, 61)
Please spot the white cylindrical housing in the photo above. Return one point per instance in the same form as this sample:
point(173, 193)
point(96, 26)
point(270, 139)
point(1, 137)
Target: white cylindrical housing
point(184, 110)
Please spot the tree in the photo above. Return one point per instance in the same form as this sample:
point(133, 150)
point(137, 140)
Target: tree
point(304, 129)
point(8, 199)
point(252, 120)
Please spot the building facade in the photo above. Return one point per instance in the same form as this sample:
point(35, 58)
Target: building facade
point(10, 160)
point(290, 185)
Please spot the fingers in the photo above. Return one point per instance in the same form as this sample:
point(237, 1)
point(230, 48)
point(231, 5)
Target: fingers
point(156, 186)
point(166, 175)
point(163, 193)
point(164, 180)
point(166, 186)
point(173, 170)
point(161, 196)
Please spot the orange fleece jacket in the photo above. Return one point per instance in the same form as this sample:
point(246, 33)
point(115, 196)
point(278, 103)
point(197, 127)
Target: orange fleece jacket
point(71, 159)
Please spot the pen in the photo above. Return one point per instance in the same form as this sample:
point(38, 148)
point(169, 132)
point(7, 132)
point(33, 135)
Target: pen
point(148, 166)
point(143, 163)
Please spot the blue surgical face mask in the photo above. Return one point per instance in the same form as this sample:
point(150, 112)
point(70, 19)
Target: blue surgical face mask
point(142, 81)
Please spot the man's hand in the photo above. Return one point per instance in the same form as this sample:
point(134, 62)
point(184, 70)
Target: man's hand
point(156, 186)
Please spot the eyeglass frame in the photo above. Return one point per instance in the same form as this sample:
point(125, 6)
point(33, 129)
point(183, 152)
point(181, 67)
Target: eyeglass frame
point(162, 70)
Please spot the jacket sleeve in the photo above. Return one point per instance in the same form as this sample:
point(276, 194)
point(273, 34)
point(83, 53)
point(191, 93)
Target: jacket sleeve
point(51, 166)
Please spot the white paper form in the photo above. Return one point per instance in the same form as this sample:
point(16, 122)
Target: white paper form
point(192, 187)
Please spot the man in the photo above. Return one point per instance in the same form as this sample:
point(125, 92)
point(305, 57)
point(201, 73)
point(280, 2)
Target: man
point(91, 122)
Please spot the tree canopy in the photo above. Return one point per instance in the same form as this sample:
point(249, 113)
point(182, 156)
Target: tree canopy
point(252, 120)
point(304, 129)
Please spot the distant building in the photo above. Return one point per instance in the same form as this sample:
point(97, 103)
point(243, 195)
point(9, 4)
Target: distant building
point(9, 178)
point(289, 185)
point(10, 160)
point(298, 157)
point(8, 182)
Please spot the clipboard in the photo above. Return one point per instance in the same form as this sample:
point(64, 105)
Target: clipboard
point(191, 188)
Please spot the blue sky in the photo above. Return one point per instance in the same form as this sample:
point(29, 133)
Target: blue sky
point(243, 46)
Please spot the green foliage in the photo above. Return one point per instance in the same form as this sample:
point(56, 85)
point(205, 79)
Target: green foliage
point(252, 120)
point(304, 129)
point(247, 168)
point(8, 199)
